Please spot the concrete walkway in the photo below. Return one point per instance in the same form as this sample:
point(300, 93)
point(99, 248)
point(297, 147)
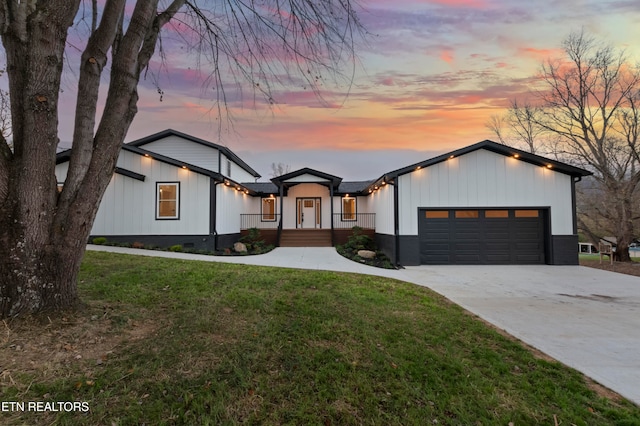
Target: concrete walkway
point(585, 318)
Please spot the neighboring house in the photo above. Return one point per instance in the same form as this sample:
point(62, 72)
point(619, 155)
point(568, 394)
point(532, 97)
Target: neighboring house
point(483, 204)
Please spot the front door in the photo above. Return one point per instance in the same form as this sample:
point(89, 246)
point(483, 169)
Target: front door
point(308, 216)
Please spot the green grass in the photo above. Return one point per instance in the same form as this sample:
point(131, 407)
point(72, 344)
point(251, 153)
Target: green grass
point(589, 256)
point(209, 343)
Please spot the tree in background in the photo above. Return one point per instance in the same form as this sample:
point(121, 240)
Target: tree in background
point(587, 111)
point(520, 127)
point(43, 232)
point(279, 169)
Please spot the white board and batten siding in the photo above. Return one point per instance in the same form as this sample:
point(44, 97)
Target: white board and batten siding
point(200, 155)
point(230, 204)
point(128, 206)
point(380, 202)
point(185, 150)
point(484, 179)
point(238, 174)
point(307, 177)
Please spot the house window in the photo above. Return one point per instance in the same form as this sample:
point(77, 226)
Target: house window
point(228, 168)
point(268, 209)
point(168, 200)
point(348, 208)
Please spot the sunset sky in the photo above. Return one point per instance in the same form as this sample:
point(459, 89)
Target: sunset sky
point(430, 76)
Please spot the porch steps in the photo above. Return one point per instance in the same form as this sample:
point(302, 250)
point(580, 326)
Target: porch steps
point(305, 238)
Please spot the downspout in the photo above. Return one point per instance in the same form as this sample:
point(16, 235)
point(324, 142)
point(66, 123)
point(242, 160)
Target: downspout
point(396, 221)
point(213, 213)
point(331, 203)
point(573, 203)
point(281, 212)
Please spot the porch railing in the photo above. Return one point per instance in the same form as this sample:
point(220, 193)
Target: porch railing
point(340, 221)
point(260, 221)
point(349, 220)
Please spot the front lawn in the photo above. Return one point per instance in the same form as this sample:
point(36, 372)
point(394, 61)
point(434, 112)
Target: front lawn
point(165, 341)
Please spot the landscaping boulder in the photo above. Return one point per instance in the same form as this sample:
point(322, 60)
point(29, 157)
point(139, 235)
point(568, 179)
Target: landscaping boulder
point(239, 247)
point(366, 254)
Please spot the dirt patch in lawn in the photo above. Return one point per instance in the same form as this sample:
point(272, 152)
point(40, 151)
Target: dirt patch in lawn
point(50, 345)
point(629, 268)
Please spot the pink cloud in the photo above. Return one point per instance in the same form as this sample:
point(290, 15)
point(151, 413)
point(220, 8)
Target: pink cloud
point(539, 54)
point(447, 56)
point(387, 82)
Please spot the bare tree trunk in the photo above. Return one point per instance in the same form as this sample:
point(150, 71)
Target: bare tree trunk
point(43, 233)
point(36, 273)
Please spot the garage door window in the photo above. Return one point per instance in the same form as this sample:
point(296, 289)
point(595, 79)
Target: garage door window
point(437, 214)
point(466, 214)
point(496, 214)
point(527, 213)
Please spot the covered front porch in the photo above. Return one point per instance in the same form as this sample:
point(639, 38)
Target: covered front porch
point(310, 208)
point(338, 232)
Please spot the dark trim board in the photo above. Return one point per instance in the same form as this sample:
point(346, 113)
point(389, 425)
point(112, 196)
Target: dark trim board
point(227, 240)
point(387, 244)
point(408, 250)
point(129, 173)
point(564, 250)
point(196, 242)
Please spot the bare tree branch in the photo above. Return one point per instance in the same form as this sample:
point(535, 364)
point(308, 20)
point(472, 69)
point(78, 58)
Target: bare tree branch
point(589, 101)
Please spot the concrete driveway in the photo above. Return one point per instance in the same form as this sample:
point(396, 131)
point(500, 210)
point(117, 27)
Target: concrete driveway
point(585, 318)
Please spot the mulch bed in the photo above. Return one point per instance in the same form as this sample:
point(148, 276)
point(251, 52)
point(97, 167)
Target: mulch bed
point(629, 268)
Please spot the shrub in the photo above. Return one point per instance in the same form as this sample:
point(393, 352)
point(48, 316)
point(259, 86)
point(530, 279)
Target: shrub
point(137, 245)
point(253, 240)
point(99, 241)
point(358, 241)
point(176, 248)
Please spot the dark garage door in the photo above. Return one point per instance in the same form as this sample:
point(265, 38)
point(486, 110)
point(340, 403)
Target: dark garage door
point(481, 236)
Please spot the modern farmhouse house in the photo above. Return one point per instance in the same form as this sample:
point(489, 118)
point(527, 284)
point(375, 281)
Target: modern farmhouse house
point(483, 204)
